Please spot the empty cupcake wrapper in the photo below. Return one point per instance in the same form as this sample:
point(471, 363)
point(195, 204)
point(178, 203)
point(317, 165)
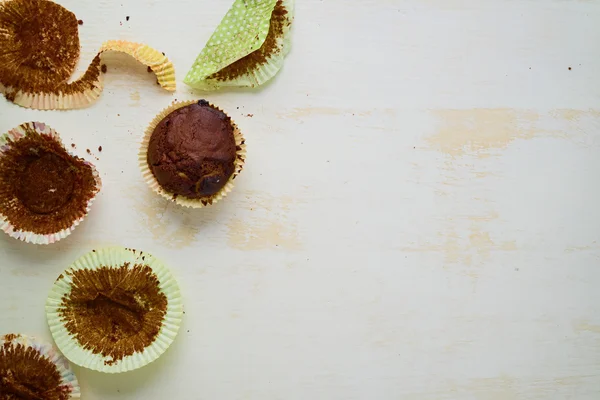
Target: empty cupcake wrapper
point(150, 179)
point(86, 90)
point(243, 31)
point(31, 237)
point(67, 376)
point(114, 257)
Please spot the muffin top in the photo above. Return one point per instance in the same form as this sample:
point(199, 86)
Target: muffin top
point(192, 151)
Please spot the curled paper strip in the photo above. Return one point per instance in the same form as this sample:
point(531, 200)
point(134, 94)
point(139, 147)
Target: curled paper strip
point(39, 49)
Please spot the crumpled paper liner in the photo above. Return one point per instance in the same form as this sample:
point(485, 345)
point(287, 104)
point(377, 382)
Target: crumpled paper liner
point(149, 178)
point(30, 237)
point(243, 31)
point(115, 257)
point(67, 376)
point(86, 90)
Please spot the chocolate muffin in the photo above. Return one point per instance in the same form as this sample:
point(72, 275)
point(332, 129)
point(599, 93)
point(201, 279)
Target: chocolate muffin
point(192, 151)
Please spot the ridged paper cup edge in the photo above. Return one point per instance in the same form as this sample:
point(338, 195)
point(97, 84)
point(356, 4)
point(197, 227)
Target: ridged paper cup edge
point(67, 376)
point(114, 257)
point(7, 227)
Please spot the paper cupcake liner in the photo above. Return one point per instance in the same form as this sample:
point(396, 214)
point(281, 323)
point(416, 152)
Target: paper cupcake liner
point(222, 48)
point(149, 178)
point(67, 376)
point(114, 257)
point(30, 237)
point(87, 89)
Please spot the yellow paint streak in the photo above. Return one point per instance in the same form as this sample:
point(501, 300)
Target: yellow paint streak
point(301, 113)
point(586, 326)
point(479, 131)
point(574, 115)
point(264, 223)
point(257, 236)
point(135, 97)
point(169, 224)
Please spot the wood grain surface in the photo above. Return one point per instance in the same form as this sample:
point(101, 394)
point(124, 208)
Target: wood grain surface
point(418, 217)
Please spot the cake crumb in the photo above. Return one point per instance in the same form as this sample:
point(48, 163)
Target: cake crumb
point(100, 149)
point(88, 151)
point(80, 22)
point(149, 69)
point(250, 115)
point(73, 145)
point(127, 18)
point(569, 68)
point(103, 68)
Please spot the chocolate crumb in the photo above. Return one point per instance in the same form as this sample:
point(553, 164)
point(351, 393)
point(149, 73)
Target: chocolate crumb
point(80, 22)
point(163, 53)
point(100, 149)
point(103, 68)
point(73, 145)
point(250, 115)
point(569, 68)
point(127, 18)
point(149, 69)
point(88, 151)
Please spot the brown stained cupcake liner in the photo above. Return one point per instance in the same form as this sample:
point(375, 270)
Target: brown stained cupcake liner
point(151, 180)
point(6, 141)
point(88, 88)
point(255, 64)
point(129, 297)
point(29, 350)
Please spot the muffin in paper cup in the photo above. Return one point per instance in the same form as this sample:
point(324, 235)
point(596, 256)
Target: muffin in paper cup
point(248, 47)
point(114, 310)
point(31, 369)
point(191, 153)
point(40, 50)
point(45, 191)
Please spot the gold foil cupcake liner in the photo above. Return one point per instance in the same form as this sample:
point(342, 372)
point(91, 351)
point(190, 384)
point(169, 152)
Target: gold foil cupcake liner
point(150, 179)
point(87, 89)
point(67, 376)
point(114, 257)
point(30, 237)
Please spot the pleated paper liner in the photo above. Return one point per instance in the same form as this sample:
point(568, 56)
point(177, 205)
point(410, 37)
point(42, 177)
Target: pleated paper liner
point(86, 90)
point(81, 351)
point(6, 225)
point(247, 49)
point(68, 380)
point(181, 200)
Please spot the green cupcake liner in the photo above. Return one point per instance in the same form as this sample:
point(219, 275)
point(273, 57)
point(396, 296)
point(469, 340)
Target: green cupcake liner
point(242, 31)
point(114, 257)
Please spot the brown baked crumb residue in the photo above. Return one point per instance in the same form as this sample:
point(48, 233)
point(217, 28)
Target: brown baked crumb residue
point(114, 311)
point(104, 69)
point(43, 189)
point(254, 60)
point(27, 374)
point(39, 45)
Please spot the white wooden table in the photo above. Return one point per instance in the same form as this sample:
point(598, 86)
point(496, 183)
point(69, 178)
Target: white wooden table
point(418, 218)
